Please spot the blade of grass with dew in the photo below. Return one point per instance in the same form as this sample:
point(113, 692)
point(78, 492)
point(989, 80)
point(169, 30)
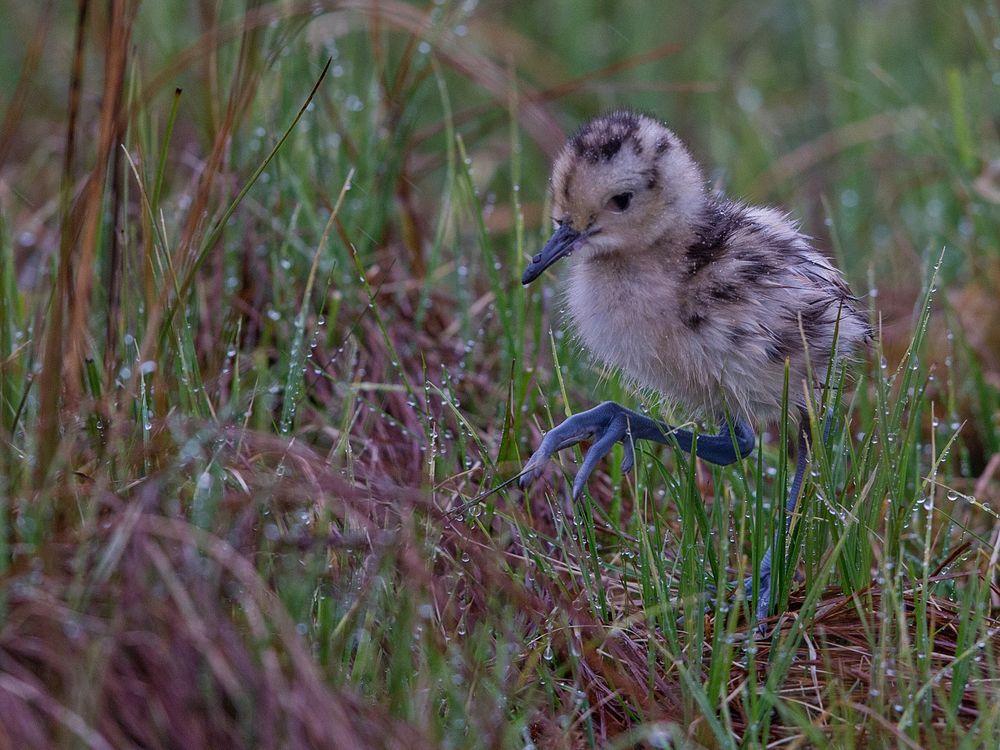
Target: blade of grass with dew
point(215, 232)
point(164, 150)
point(491, 262)
point(296, 361)
point(514, 300)
point(197, 398)
point(12, 349)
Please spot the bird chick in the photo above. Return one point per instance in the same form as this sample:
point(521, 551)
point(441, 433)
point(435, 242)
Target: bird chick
point(702, 299)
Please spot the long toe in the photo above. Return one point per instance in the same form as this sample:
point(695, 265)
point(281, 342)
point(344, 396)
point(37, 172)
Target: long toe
point(613, 433)
point(606, 423)
point(762, 604)
point(574, 430)
point(532, 469)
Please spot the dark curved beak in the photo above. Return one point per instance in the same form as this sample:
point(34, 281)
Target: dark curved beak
point(559, 245)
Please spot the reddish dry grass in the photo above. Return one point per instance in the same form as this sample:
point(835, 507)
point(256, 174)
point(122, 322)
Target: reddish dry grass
point(164, 635)
point(138, 628)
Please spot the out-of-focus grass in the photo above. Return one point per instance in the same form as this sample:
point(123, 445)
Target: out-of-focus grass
point(263, 345)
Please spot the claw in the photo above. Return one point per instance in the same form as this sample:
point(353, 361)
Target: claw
point(533, 469)
point(760, 630)
point(530, 475)
point(628, 461)
point(614, 432)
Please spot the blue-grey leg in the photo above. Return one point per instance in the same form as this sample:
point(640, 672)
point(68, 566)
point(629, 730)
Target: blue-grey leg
point(801, 462)
point(610, 423)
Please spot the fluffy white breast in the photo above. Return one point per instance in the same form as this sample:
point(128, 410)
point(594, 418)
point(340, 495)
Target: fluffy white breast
point(629, 319)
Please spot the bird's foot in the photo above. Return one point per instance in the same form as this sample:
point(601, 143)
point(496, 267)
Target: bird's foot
point(763, 604)
point(761, 608)
point(606, 424)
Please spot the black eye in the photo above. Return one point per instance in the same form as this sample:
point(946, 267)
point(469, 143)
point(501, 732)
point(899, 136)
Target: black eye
point(620, 202)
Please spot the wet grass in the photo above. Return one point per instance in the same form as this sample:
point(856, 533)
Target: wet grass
point(264, 351)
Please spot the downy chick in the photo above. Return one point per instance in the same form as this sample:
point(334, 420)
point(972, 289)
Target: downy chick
point(691, 295)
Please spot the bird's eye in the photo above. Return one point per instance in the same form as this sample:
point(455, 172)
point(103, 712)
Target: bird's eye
point(620, 202)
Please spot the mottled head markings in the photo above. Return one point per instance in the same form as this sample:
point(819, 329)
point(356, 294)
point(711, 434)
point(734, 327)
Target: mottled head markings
point(603, 138)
